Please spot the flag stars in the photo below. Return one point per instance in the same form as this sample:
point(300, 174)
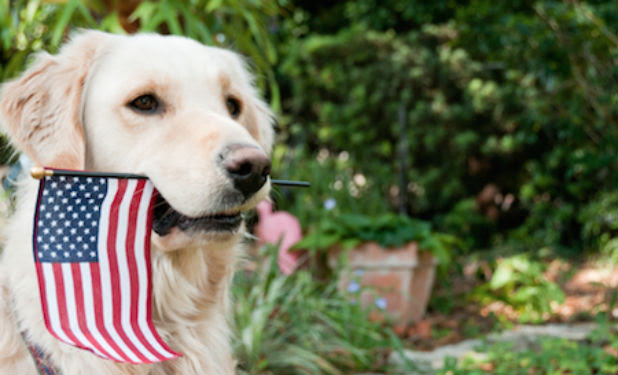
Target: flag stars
point(68, 219)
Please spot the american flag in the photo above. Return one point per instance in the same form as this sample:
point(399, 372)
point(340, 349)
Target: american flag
point(92, 256)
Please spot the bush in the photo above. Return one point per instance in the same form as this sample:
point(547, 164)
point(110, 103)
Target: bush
point(297, 325)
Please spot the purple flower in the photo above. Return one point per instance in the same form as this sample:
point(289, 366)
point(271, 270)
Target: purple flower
point(381, 303)
point(329, 204)
point(353, 287)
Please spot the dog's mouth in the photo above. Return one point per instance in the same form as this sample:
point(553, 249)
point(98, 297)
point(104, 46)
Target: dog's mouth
point(166, 218)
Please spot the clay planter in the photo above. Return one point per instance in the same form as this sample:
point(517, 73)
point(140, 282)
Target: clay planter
point(403, 277)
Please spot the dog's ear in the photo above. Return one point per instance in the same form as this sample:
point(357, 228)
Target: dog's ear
point(41, 109)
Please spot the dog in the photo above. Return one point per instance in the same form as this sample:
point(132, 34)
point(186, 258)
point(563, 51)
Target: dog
point(186, 115)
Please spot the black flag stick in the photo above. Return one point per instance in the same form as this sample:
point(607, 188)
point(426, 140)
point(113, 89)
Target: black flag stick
point(40, 172)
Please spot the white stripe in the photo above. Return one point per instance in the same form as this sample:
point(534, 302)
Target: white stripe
point(69, 294)
point(123, 267)
point(106, 284)
point(52, 302)
point(89, 311)
point(141, 260)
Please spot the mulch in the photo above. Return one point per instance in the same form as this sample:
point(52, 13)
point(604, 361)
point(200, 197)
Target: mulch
point(590, 288)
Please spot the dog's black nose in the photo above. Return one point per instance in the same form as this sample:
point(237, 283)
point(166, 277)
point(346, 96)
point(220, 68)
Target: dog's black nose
point(247, 166)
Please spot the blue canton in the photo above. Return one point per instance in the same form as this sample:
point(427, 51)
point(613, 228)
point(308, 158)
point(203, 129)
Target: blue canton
point(67, 225)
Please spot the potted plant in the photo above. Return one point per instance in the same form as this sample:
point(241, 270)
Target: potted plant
point(395, 256)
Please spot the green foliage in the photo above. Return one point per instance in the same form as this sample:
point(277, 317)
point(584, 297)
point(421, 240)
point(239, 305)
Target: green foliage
point(547, 356)
point(29, 26)
point(515, 95)
point(519, 281)
point(389, 230)
point(295, 325)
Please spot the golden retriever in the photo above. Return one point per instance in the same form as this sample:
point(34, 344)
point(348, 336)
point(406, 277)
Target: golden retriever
point(187, 116)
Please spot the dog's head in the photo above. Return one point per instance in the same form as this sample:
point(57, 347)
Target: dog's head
point(184, 114)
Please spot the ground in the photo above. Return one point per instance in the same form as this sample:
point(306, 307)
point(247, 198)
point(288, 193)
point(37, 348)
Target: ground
point(590, 288)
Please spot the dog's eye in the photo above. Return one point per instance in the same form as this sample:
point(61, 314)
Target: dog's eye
point(145, 103)
point(233, 106)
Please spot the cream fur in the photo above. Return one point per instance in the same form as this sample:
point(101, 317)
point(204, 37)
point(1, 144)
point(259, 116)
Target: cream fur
point(70, 110)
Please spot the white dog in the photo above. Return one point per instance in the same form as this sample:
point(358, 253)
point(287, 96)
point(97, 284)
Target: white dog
point(189, 118)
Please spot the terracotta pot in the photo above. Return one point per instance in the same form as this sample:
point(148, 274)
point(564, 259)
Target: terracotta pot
point(400, 279)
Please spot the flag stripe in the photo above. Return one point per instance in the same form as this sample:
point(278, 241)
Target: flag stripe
point(109, 274)
point(149, 272)
point(71, 307)
point(142, 245)
point(133, 264)
point(92, 255)
point(99, 314)
point(80, 314)
point(52, 305)
point(124, 233)
point(62, 305)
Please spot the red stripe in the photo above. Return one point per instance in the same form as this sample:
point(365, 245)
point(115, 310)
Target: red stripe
point(62, 305)
point(132, 265)
point(113, 269)
point(81, 312)
point(97, 299)
point(147, 235)
point(43, 295)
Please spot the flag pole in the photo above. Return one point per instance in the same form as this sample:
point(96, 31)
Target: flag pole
point(40, 172)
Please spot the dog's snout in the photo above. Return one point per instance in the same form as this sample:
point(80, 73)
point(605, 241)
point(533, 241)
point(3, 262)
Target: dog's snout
point(247, 166)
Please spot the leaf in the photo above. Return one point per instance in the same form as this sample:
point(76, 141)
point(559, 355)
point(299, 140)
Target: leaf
point(502, 276)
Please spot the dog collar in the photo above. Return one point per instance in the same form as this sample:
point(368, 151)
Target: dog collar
point(42, 361)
